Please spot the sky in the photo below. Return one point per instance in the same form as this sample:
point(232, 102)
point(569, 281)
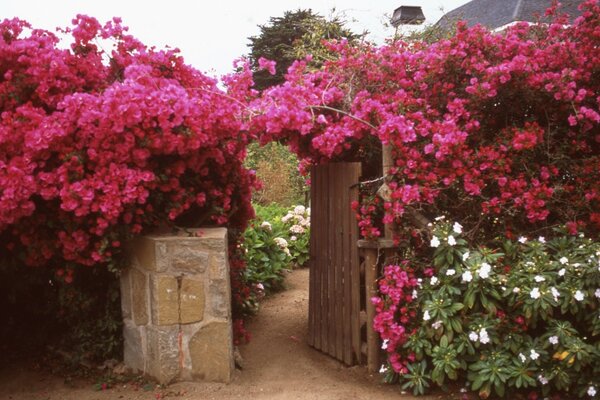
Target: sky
point(211, 34)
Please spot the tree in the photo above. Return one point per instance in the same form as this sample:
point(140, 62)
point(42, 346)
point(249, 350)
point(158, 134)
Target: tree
point(293, 36)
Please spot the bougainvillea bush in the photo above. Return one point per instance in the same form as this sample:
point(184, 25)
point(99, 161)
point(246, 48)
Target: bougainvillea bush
point(500, 131)
point(520, 316)
point(99, 145)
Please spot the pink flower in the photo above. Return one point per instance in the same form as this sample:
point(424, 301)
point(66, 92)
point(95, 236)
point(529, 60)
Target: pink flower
point(267, 65)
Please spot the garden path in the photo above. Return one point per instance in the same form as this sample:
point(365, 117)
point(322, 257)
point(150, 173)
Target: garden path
point(277, 364)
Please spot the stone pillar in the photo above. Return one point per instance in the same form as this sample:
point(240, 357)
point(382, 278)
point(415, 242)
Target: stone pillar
point(176, 302)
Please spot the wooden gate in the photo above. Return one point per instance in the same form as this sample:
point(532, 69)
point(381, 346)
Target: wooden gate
point(334, 317)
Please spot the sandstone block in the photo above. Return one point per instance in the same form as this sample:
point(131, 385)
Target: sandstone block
point(213, 239)
point(219, 298)
point(125, 283)
point(218, 268)
point(188, 256)
point(134, 346)
point(163, 353)
point(191, 300)
point(150, 254)
point(211, 352)
point(165, 300)
point(139, 296)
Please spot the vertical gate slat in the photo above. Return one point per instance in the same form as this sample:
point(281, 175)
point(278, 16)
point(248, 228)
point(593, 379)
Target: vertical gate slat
point(324, 256)
point(311, 272)
point(355, 273)
point(345, 259)
point(317, 208)
point(330, 260)
point(340, 213)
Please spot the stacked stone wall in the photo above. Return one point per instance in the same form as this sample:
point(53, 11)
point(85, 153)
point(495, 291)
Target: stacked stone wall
point(176, 302)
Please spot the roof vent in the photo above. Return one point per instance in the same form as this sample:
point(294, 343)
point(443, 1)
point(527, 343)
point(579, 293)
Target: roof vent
point(407, 15)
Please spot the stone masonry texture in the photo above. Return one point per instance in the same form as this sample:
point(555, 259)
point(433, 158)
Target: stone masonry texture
point(176, 302)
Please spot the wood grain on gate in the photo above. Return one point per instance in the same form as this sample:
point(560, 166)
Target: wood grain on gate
point(334, 285)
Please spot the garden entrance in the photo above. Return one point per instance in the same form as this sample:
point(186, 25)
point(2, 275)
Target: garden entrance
point(336, 307)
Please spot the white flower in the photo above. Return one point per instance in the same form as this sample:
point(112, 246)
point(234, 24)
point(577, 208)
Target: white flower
point(434, 280)
point(457, 228)
point(522, 239)
point(539, 278)
point(451, 240)
point(484, 271)
point(266, 225)
point(293, 238)
point(534, 355)
point(451, 272)
point(522, 357)
point(516, 290)
point(483, 336)
point(297, 229)
point(543, 380)
point(435, 242)
point(299, 210)
point(561, 272)
point(473, 336)
point(563, 260)
point(535, 293)
point(553, 339)
point(591, 391)
point(467, 276)
point(260, 287)
point(579, 295)
point(436, 324)
point(426, 316)
point(281, 242)
point(597, 293)
point(384, 345)
point(440, 218)
point(555, 293)
point(541, 239)
point(286, 218)
point(414, 294)
point(383, 369)
point(466, 256)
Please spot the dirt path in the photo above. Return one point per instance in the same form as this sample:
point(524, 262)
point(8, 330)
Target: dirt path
point(278, 364)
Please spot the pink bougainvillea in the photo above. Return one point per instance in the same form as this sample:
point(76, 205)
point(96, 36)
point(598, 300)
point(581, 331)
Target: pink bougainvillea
point(496, 129)
point(97, 146)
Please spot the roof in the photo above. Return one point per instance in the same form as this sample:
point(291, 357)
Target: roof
point(494, 14)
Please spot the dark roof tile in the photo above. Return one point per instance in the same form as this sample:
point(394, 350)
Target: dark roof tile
point(496, 13)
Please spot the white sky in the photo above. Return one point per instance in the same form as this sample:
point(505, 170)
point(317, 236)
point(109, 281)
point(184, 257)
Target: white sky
point(211, 34)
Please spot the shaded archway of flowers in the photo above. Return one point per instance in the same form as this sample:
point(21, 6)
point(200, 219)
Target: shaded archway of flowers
point(498, 132)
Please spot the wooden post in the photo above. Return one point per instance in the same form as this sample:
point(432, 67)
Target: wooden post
point(371, 256)
point(387, 163)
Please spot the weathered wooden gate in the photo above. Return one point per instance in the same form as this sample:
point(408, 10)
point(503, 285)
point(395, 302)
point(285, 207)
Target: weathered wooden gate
point(334, 318)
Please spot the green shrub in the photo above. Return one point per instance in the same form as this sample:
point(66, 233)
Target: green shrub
point(523, 316)
point(267, 255)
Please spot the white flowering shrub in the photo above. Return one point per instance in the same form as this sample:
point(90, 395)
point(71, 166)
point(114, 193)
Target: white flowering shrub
point(266, 252)
point(297, 224)
point(523, 317)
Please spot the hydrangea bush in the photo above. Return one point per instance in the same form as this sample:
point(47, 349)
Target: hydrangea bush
point(275, 241)
point(297, 223)
point(523, 315)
